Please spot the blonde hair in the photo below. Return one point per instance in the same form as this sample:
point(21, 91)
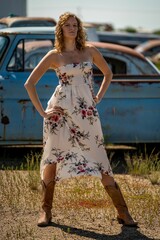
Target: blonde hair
point(59, 40)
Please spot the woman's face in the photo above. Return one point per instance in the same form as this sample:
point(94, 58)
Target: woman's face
point(70, 28)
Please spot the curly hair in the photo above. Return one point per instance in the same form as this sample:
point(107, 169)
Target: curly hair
point(59, 40)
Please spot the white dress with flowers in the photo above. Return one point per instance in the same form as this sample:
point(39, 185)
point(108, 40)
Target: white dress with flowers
point(74, 140)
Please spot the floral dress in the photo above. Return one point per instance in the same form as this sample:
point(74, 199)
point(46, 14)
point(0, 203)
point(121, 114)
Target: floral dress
point(74, 140)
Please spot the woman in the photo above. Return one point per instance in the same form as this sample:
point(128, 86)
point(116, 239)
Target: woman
point(73, 140)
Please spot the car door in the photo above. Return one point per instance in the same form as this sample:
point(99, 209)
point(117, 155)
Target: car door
point(21, 122)
point(129, 110)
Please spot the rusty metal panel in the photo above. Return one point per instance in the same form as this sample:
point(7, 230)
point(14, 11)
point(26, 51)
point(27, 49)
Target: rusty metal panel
point(130, 111)
point(24, 122)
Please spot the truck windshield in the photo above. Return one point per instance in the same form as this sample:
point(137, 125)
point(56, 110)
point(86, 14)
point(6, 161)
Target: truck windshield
point(3, 45)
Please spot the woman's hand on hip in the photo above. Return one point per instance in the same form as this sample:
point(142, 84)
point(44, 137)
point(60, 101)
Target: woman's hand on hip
point(53, 111)
point(96, 99)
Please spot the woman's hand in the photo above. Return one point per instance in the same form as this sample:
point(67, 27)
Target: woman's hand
point(96, 99)
point(55, 110)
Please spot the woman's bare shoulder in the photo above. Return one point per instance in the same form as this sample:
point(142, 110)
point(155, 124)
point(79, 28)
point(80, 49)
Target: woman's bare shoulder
point(53, 57)
point(52, 53)
point(90, 46)
point(92, 49)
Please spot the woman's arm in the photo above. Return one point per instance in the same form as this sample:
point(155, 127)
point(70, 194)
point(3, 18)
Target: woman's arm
point(100, 62)
point(33, 79)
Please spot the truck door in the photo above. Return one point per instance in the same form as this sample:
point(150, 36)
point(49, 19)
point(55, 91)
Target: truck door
point(21, 122)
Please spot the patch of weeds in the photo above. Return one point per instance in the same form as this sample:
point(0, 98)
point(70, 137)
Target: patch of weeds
point(158, 65)
point(147, 165)
point(32, 166)
point(33, 161)
point(154, 177)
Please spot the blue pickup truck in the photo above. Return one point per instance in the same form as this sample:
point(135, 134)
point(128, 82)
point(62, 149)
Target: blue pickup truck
point(129, 111)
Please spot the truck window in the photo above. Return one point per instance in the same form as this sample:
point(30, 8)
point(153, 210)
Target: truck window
point(28, 54)
point(3, 44)
point(117, 66)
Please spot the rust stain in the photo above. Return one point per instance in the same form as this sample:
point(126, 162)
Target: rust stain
point(135, 84)
point(34, 110)
point(23, 101)
point(114, 110)
point(5, 120)
point(24, 107)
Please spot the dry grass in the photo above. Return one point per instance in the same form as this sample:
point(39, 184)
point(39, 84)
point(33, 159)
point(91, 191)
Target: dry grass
point(81, 209)
point(146, 165)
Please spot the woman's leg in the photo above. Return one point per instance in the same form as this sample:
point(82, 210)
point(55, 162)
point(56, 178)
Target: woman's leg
point(49, 173)
point(48, 185)
point(115, 193)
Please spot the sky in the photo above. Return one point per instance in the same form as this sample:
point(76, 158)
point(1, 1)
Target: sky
point(140, 14)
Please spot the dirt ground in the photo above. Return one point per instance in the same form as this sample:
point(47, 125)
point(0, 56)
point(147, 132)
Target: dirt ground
point(81, 209)
point(20, 226)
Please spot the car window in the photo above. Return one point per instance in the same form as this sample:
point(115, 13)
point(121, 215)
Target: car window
point(3, 45)
point(152, 51)
point(125, 64)
point(144, 67)
point(117, 66)
point(28, 54)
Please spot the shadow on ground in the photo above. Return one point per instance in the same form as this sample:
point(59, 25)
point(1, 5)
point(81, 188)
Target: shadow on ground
point(127, 233)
